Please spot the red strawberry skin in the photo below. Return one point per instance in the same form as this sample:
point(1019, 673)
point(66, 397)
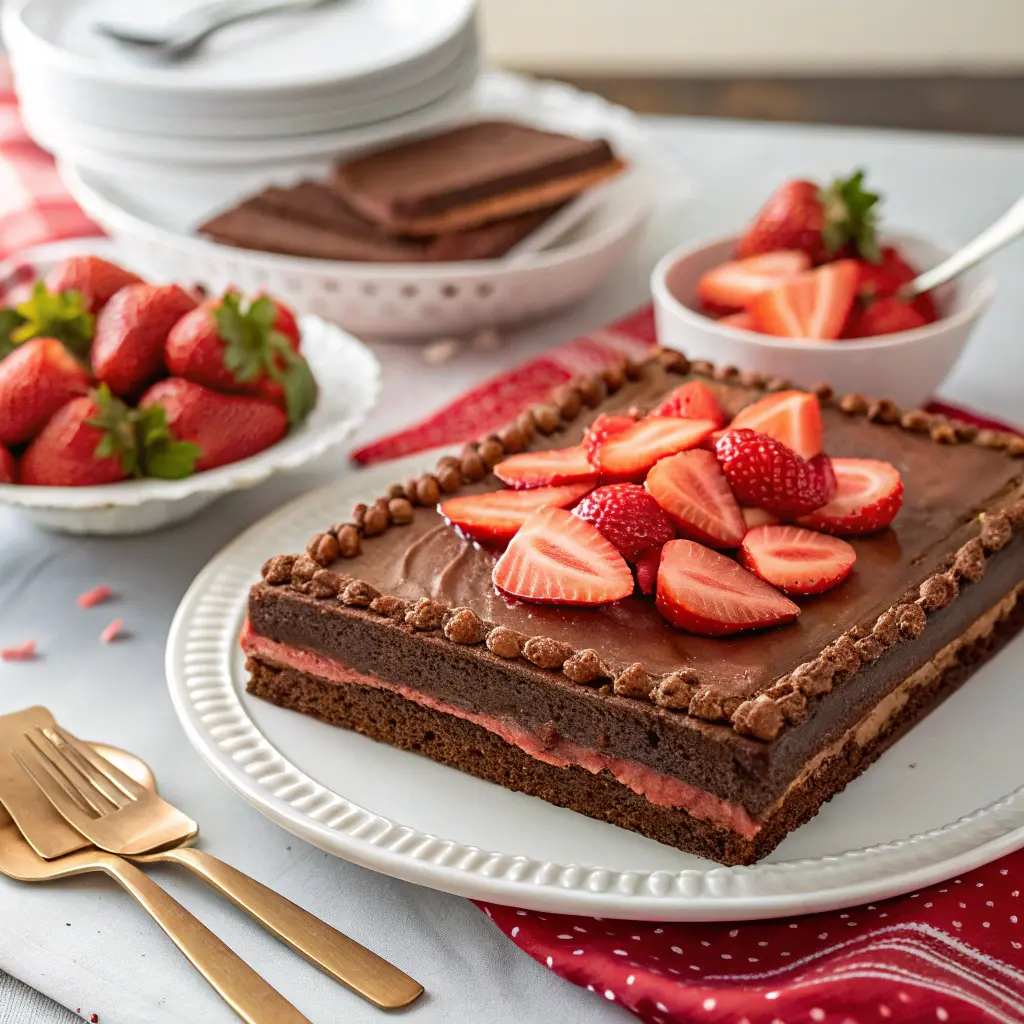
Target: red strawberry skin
point(704, 592)
point(765, 473)
point(97, 280)
point(885, 278)
point(195, 350)
point(791, 219)
point(868, 495)
point(693, 400)
point(646, 570)
point(36, 379)
point(546, 468)
point(883, 316)
point(629, 455)
point(63, 454)
point(131, 330)
point(226, 428)
point(7, 466)
point(604, 426)
point(795, 560)
point(627, 516)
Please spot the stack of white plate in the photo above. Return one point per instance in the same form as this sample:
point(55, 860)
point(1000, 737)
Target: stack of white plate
point(284, 88)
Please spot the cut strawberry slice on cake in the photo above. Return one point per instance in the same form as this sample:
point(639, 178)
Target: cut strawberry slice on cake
point(546, 468)
point(629, 455)
point(495, 517)
point(795, 560)
point(557, 558)
point(792, 417)
point(628, 516)
point(868, 495)
point(757, 517)
point(704, 592)
point(693, 490)
point(732, 285)
point(814, 305)
point(646, 570)
point(605, 426)
point(693, 400)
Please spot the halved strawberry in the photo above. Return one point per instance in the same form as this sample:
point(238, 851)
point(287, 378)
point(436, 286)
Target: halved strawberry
point(767, 474)
point(557, 558)
point(868, 495)
point(546, 468)
point(792, 417)
point(795, 560)
point(692, 489)
point(757, 517)
point(628, 516)
point(814, 305)
point(629, 455)
point(704, 592)
point(693, 400)
point(741, 321)
point(887, 276)
point(887, 315)
point(603, 427)
point(646, 570)
point(732, 285)
point(494, 517)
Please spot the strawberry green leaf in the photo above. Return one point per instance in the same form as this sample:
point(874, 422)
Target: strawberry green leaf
point(10, 319)
point(61, 316)
point(292, 372)
point(163, 455)
point(245, 335)
point(117, 422)
point(850, 218)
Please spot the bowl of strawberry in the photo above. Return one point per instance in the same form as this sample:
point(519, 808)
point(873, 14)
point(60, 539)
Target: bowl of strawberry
point(126, 406)
point(811, 291)
point(726, 525)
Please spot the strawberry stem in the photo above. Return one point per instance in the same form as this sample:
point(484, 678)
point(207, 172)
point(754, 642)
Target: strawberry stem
point(61, 315)
point(850, 218)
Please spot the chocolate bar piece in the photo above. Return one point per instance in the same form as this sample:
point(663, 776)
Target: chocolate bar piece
point(470, 176)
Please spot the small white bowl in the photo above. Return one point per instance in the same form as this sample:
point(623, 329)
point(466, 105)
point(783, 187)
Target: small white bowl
point(906, 367)
point(348, 375)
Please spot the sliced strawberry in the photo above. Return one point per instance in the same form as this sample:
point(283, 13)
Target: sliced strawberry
point(546, 468)
point(557, 558)
point(888, 315)
point(628, 516)
point(814, 305)
point(795, 560)
point(732, 285)
point(629, 455)
point(887, 276)
point(758, 517)
point(704, 592)
point(868, 495)
point(692, 489)
point(741, 321)
point(693, 400)
point(494, 517)
point(602, 428)
point(7, 466)
point(646, 570)
point(765, 473)
point(792, 417)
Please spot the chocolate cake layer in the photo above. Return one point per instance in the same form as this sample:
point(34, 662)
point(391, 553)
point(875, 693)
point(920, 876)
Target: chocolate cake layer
point(390, 718)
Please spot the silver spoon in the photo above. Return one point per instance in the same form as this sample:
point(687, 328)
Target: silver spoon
point(1002, 232)
point(188, 33)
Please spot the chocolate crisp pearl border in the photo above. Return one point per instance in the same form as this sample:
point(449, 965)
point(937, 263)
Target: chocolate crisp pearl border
point(763, 716)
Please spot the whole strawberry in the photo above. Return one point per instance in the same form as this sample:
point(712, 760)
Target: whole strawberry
point(7, 466)
point(765, 473)
point(822, 222)
point(226, 347)
point(131, 330)
point(94, 279)
point(36, 379)
point(627, 516)
point(223, 428)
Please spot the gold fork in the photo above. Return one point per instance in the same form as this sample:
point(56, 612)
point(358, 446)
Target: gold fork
point(119, 815)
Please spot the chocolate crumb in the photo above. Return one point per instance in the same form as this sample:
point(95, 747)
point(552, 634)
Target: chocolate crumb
point(725, 373)
point(632, 369)
point(676, 690)
point(992, 439)
point(463, 626)
point(793, 706)
point(545, 652)
point(349, 541)
point(568, 400)
point(883, 411)
point(937, 591)
point(425, 614)
point(706, 704)
point(1015, 513)
point(377, 520)
point(427, 490)
point(887, 629)
point(524, 421)
point(359, 514)
point(854, 404)
point(327, 584)
point(911, 620)
point(584, 667)
point(546, 417)
point(870, 648)
point(592, 390)
point(449, 479)
point(943, 433)
point(512, 439)
point(304, 569)
point(323, 549)
point(548, 735)
point(965, 431)
point(614, 377)
point(702, 368)
point(396, 491)
point(996, 532)
point(400, 510)
point(750, 379)
point(359, 594)
point(1015, 446)
point(814, 677)
point(759, 717)
point(917, 420)
point(970, 561)
point(505, 642)
point(633, 682)
point(823, 391)
point(778, 384)
point(471, 466)
point(843, 658)
point(278, 570)
point(676, 362)
point(490, 451)
point(390, 607)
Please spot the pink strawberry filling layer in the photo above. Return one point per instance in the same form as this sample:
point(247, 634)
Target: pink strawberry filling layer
point(661, 790)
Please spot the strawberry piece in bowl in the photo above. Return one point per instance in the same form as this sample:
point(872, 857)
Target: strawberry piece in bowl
point(693, 490)
point(792, 417)
point(883, 316)
point(558, 558)
point(868, 495)
point(629, 455)
point(627, 516)
point(796, 560)
point(732, 285)
point(693, 400)
point(496, 516)
point(814, 305)
point(546, 468)
point(96, 280)
point(8, 467)
point(707, 593)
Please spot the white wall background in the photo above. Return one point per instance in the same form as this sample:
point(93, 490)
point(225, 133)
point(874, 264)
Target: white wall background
point(782, 36)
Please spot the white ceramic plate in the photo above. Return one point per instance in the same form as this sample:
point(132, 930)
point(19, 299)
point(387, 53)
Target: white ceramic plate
point(908, 822)
point(349, 378)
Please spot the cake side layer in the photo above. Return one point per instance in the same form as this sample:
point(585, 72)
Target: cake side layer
point(389, 718)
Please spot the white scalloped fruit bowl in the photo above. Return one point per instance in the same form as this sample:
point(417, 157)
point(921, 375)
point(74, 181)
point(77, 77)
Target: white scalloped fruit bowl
point(348, 376)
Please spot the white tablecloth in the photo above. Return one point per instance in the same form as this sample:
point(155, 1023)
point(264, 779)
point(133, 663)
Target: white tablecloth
point(84, 944)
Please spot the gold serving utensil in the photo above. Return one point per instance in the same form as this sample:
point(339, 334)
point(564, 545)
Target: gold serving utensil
point(123, 814)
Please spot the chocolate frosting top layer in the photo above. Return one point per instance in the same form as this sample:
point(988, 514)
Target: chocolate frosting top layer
point(945, 488)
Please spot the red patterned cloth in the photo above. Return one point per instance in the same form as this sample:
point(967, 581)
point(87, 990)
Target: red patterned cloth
point(949, 953)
